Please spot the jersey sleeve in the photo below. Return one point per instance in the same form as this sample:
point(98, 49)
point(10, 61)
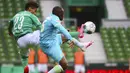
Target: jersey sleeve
point(36, 22)
point(56, 23)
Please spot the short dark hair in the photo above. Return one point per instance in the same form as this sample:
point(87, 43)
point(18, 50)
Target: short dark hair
point(56, 10)
point(31, 4)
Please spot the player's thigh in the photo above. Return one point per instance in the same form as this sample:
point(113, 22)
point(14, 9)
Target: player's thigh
point(35, 37)
point(30, 39)
point(63, 63)
point(54, 52)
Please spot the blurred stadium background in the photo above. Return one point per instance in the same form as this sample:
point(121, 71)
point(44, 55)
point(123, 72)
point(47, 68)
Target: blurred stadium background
point(110, 52)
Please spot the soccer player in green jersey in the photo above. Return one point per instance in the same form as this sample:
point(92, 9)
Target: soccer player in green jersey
point(21, 28)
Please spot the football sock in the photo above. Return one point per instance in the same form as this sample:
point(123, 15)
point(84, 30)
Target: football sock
point(77, 43)
point(24, 60)
point(56, 69)
point(82, 46)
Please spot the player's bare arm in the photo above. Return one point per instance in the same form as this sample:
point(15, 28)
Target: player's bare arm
point(10, 28)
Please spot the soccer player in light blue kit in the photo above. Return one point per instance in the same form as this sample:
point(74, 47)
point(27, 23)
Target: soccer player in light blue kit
point(50, 43)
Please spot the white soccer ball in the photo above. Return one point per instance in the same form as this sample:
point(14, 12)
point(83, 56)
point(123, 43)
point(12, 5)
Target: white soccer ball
point(89, 27)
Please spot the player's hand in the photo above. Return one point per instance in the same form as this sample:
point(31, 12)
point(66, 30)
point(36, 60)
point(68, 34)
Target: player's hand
point(64, 39)
point(71, 44)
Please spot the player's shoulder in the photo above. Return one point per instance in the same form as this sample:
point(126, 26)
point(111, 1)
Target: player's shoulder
point(34, 16)
point(51, 18)
point(26, 13)
point(54, 17)
point(23, 13)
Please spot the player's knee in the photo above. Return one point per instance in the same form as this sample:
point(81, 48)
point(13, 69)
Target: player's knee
point(64, 65)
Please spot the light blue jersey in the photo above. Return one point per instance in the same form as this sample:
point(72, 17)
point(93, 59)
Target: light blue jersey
point(52, 26)
point(50, 40)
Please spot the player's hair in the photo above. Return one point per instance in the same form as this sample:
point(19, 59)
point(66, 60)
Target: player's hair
point(56, 10)
point(31, 4)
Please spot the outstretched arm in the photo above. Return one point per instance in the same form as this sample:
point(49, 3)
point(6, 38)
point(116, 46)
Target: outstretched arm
point(57, 24)
point(64, 32)
point(72, 41)
point(67, 35)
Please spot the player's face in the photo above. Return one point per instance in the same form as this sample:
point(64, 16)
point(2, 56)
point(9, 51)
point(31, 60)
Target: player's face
point(61, 14)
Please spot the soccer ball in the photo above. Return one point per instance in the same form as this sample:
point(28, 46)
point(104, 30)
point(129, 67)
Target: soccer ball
point(89, 27)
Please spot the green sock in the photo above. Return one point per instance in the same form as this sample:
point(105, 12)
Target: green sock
point(56, 69)
point(24, 60)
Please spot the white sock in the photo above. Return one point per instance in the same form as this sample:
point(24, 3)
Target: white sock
point(77, 43)
point(56, 69)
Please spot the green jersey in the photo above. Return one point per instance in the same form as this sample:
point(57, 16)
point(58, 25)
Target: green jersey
point(23, 23)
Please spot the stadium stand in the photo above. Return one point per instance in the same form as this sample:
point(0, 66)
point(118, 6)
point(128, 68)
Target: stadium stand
point(9, 8)
point(9, 45)
point(2, 54)
point(116, 44)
